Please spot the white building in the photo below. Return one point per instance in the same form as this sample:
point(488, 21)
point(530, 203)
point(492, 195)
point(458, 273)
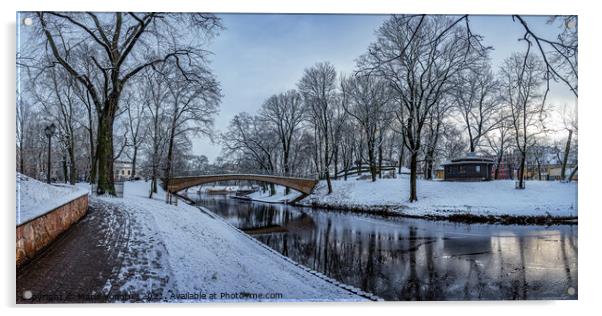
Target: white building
point(122, 170)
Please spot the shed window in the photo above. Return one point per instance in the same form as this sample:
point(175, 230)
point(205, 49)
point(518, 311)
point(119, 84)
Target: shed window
point(478, 168)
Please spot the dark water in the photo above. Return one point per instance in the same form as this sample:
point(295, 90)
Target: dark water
point(410, 259)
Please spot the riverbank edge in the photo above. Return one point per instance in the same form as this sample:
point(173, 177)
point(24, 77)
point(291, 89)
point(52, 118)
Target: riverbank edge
point(457, 217)
point(315, 273)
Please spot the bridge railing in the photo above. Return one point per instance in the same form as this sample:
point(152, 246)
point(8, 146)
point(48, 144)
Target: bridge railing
point(193, 173)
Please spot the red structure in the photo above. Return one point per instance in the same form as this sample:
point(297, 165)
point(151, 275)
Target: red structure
point(504, 171)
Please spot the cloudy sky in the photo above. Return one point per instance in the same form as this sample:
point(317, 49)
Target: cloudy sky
point(258, 55)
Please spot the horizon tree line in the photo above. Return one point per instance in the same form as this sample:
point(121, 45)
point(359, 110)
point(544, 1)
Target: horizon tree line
point(137, 87)
point(424, 92)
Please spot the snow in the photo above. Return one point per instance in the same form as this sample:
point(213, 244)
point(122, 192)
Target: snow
point(279, 197)
point(35, 198)
point(444, 198)
point(204, 254)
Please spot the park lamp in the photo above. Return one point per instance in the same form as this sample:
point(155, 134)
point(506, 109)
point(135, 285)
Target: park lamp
point(50, 130)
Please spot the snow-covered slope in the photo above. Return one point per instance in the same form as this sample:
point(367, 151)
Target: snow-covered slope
point(35, 198)
point(497, 198)
point(204, 254)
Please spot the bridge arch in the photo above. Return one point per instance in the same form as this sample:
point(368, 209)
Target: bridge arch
point(305, 186)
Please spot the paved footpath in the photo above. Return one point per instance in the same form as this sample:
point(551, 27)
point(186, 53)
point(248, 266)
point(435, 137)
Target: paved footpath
point(84, 264)
point(140, 250)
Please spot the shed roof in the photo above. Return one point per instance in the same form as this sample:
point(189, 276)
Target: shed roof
point(469, 158)
point(467, 162)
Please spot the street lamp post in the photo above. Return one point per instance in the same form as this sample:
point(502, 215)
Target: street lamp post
point(49, 131)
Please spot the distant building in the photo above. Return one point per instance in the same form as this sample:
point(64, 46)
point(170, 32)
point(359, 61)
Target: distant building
point(471, 167)
point(504, 171)
point(122, 170)
point(440, 173)
point(555, 173)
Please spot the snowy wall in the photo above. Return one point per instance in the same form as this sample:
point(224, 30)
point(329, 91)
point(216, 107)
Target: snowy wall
point(37, 233)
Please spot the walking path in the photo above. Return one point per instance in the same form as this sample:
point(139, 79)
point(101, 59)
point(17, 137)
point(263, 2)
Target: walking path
point(79, 265)
point(139, 249)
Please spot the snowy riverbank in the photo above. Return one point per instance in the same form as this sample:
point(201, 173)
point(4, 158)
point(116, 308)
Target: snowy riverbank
point(279, 197)
point(441, 199)
point(36, 198)
point(202, 254)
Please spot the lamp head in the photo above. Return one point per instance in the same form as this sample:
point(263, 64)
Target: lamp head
point(50, 130)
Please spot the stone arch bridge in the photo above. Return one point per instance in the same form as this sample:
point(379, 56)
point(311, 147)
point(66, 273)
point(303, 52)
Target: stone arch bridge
point(305, 186)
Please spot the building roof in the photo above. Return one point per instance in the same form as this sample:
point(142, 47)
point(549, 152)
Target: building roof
point(469, 158)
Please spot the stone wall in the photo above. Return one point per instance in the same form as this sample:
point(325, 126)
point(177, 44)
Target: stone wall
point(35, 234)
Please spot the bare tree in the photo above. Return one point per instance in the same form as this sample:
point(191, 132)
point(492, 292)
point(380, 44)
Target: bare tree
point(253, 142)
point(453, 144)
point(370, 105)
point(55, 92)
point(318, 87)
point(284, 113)
point(103, 52)
point(559, 56)
point(418, 56)
point(522, 75)
point(192, 107)
point(433, 126)
point(135, 119)
point(475, 97)
point(570, 124)
point(155, 93)
point(23, 132)
point(499, 140)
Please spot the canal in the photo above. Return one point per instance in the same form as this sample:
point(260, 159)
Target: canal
point(411, 259)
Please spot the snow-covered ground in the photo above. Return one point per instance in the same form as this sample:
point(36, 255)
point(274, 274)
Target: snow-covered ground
point(443, 198)
point(279, 197)
point(201, 253)
point(35, 198)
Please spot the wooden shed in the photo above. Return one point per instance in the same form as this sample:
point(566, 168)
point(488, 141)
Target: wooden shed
point(471, 167)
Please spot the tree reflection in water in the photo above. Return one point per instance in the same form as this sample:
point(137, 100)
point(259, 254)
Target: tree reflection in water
point(410, 259)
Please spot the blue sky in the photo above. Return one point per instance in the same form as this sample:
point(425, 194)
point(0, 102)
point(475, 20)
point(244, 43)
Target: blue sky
point(258, 55)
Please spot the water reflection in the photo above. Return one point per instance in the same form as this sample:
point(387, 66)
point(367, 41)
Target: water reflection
point(409, 259)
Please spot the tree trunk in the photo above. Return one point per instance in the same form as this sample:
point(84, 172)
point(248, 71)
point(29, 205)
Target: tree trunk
point(380, 161)
point(65, 169)
point(336, 162)
point(21, 160)
point(73, 169)
point(413, 167)
point(287, 170)
point(521, 173)
point(134, 162)
point(401, 162)
point(497, 167)
point(328, 182)
point(327, 159)
point(371, 161)
point(93, 161)
point(104, 155)
point(272, 189)
point(572, 174)
point(565, 159)
point(167, 174)
point(428, 169)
